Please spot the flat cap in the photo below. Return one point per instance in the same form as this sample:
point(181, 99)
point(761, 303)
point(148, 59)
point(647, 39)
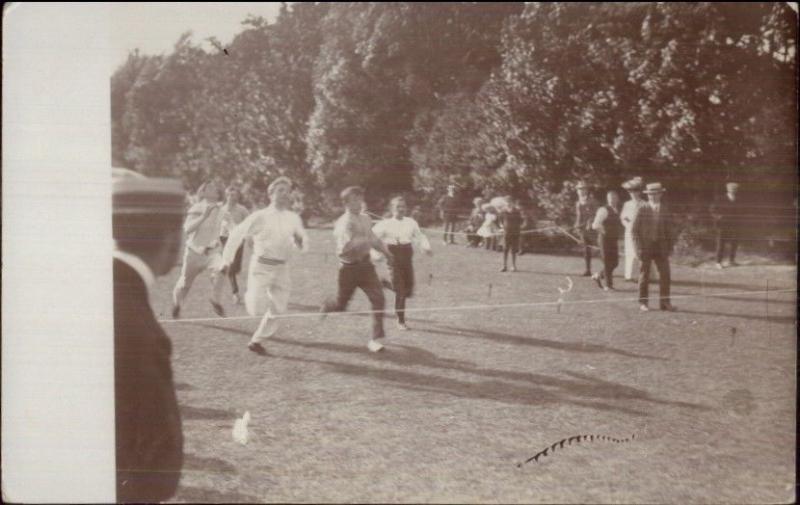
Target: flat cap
point(351, 190)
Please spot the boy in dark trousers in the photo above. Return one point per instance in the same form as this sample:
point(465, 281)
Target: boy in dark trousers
point(354, 240)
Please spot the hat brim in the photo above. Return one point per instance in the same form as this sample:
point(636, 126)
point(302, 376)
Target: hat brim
point(653, 191)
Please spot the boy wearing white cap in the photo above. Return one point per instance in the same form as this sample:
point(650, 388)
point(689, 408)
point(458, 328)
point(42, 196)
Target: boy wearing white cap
point(276, 232)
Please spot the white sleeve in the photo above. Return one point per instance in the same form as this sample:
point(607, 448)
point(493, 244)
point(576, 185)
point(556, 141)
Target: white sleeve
point(341, 234)
point(380, 229)
point(420, 237)
point(241, 231)
point(301, 232)
point(599, 218)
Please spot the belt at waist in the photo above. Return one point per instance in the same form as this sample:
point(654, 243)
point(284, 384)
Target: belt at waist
point(363, 261)
point(203, 250)
point(270, 261)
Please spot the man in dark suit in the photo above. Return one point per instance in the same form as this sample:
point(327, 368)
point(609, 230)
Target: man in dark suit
point(448, 208)
point(727, 218)
point(653, 240)
point(147, 219)
point(585, 210)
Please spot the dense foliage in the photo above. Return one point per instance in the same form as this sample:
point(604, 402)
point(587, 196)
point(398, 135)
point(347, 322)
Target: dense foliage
point(499, 98)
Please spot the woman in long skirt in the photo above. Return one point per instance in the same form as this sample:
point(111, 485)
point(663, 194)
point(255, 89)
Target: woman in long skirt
point(400, 232)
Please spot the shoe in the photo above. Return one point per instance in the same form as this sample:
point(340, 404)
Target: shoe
point(606, 288)
point(176, 311)
point(513, 269)
point(218, 310)
point(402, 326)
point(719, 266)
point(374, 346)
point(644, 308)
point(668, 307)
point(596, 278)
point(257, 348)
point(586, 274)
point(504, 269)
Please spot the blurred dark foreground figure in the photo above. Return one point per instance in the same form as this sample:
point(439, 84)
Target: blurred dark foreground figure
point(147, 218)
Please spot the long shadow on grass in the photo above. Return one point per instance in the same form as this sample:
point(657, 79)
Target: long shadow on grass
point(505, 338)
point(585, 386)
point(499, 391)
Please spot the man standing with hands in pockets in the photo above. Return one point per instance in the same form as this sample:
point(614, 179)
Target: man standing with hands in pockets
point(653, 238)
point(276, 232)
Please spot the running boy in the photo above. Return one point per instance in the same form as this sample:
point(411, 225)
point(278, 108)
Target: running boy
point(354, 240)
point(399, 233)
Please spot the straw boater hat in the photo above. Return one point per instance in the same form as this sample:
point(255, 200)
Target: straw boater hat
point(654, 187)
point(732, 186)
point(634, 184)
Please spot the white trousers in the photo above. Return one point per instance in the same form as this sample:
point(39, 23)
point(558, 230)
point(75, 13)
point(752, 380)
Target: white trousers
point(268, 289)
point(630, 256)
point(193, 265)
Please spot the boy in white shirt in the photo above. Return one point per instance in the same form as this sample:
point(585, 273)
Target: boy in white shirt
point(276, 233)
point(399, 233)
point(203, 249)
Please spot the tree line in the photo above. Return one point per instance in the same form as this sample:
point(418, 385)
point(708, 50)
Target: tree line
point(498, 98)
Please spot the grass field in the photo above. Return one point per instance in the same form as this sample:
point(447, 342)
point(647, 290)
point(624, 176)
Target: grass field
point(448, 411)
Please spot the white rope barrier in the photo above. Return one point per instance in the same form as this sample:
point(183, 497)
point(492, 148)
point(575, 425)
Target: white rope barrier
point(557, 303)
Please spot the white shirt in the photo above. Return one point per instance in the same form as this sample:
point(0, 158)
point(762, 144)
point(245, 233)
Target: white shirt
point(137, 264)
point(231, 216)
point(274, 233)
point(401, 231)
point(207, 234)
point(629, 209)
